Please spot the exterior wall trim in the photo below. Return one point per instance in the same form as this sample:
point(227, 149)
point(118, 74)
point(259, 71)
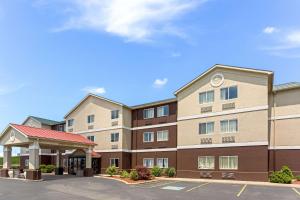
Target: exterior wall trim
point(102, 129)
point(136, 151)
point(223, 145)
point(284, 147)
point(154, 126)
point(229, 112)
point(281, 117)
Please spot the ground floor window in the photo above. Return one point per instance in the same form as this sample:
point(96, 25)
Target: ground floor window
point(228, 162)
point(148, 162)
point(114, 162)
point(163, 162)
point(206, 162)
point(26, 163)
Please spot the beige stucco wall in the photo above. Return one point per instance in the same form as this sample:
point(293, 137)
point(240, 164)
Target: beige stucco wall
point(32, 123)
point(252, 127)
point(252, 92)
point(18, 139)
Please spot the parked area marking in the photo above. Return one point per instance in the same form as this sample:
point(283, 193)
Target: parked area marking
point(158, 185)
point(242, 190)
point(296, 191)
point(197, 187)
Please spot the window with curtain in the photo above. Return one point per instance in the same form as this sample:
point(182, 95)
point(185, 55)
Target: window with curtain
point(228, 162)
point(148, 113)
point(206, 97)
point(163, 111)
point(114, 137)
point(163, 162)
point(206, 162)
point(114, 114)
point(114, 162)
point(229, 126)
point(206, 128)
point(148, 137)
point(91, 119)
point(229, 93)
point(163, 135)
point(148, 162)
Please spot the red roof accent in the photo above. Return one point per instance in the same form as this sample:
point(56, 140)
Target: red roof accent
point(52, 134)
point(95, 154)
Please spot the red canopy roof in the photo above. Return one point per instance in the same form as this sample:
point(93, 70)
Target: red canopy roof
point(51, 134)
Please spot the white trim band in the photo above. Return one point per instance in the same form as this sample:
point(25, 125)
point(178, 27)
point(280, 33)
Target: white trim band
point(102, 129)
point(284, 147)
point(154, 126)
point(136, 151)
point(202, 146)
point(281, 117)
point(227, 112)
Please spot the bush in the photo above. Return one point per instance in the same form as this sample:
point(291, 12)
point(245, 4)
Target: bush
point(156, 171)
point(171, 172)
point(124, 174)
point(143, 173)
point(47, 168)
point(298, 178)
point(286, 170)
point(134, 175)
point(279, 177)
point(112, 170)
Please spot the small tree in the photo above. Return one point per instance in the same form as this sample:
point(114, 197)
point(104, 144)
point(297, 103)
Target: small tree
point(134, 175)
point(171, 172)
point(112, 170)
point(156, 171)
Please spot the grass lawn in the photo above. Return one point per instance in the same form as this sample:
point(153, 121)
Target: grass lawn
point(15, 161)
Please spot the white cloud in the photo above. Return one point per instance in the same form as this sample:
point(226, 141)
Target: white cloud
point(8, 89)
point(270, 30)
point(94, 90)
point(159, 83)
point(175, 54)
point(134, 20)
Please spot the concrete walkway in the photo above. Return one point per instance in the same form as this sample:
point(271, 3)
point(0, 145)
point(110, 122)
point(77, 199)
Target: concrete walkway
point(232, 182)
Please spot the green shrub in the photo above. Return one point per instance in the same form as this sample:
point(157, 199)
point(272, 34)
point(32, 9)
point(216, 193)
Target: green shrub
point(156, 171)
point(171, 172)
point(124, 174)
point(297, 177)
point(47, 168)
point(286, 170)
point(143, 173)
point(166, 171)
point(112, 170)
point(134, 175)
point(279, 177)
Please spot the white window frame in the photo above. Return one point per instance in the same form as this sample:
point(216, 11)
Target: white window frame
point(163, 114)
point(159, 139)
point(228, 126)
point(112, 115)
point(237, 164)
point(110, 164)
point(113, 135)
point(228, 90)
point(90, 119)
point(206, 99)
point(152, 137)
point(72, 122)
point(148, 159)
point(206, 159)
point(147, 110)
point(89, 137)
point(163, 159)
point(26, 162)
point(206, 133)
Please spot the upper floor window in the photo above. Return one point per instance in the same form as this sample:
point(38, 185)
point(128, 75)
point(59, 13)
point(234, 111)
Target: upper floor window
point(163, 111)
point(114, 114)
point(148, 137)
point(114, 137)
point(228, 162)
point(70, 122)
point(163, 135)
point(149, 113)
point(229, 126)
point(206, 128)
point(91, 119)
point(229, 93)
point(60, 127)
point(206, 162)
point(206, 97)
point(91, 138)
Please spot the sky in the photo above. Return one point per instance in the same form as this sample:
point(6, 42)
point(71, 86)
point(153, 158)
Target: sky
point(54, 52)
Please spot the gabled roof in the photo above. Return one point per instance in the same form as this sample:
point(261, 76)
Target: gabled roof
point(95, 96)
point(286, 86)
point(155, 103)
point(223, 67)
point(44, 121)
point(41, 133)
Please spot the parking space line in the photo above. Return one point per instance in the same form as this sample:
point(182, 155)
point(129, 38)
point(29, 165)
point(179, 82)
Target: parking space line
point(164, 184)
point(296, 191)
point(197, 187)
point(242, 190)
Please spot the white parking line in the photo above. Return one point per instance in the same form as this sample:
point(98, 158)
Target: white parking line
point(197, 187)
point(242, 190)
point(158, 185)
point(296, 191)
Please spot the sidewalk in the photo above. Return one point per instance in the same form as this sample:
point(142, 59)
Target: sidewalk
point(232, 182)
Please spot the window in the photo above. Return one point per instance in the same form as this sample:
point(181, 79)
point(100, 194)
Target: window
point(163, 135)
point(149, 113)
point(206, 162)
point(114, 114)
point(229, 126)
point(60, 128)
point(114, 137)
point(229, 93)
point(163, 111)
point(70, 122)
point(206, 128)
point(163, 162)
point(27, 163)
point(90, 119)
point(228, 162)
point(206, 97)
point(114, 162)
point(91, 137)
point(148, 162)
point(148, 137)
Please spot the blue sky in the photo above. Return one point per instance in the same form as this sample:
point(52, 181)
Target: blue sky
point(135, 51)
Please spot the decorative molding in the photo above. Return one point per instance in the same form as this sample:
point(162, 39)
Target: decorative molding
point(102, 129)
point(202, 146)
point(154, 126)
point(284, 147)
point(136, 151)
point(227, 112)
point(282, 117)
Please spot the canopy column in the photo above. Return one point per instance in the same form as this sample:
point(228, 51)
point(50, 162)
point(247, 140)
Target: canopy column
point(34, 162)
point(88, 162)
point(59, 169)
point(6, 161)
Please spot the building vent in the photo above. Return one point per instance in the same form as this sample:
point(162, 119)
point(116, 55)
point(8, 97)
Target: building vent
point(115, 146)
point(229, 139)
point(115, 123)
point(205, 175)
point(206, 109)
point(70, 130)
point(206, 141)
point(90, 127)
point(228, 106)
point(228, 175)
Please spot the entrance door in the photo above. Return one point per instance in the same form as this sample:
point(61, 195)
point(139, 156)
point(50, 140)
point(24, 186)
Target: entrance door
point(96, 165)
point(76, 164)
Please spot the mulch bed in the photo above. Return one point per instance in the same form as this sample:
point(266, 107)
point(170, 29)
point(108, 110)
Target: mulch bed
point(129, 181)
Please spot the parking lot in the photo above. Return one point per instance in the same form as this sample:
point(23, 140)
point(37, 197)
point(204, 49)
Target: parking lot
point(67, 188)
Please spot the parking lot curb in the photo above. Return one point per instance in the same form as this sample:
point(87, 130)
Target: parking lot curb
point(122, 181)
point(232, 182)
